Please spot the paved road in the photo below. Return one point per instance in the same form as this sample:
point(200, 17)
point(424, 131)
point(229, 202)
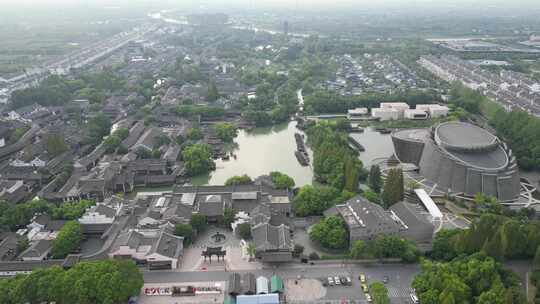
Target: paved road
point(401, 276)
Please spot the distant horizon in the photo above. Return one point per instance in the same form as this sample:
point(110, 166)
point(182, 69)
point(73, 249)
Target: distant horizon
point(299, 5)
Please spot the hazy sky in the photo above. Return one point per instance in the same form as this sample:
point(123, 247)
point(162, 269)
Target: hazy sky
point(302, 4)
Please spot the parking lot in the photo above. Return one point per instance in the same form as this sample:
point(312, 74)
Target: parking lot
point(310, 278)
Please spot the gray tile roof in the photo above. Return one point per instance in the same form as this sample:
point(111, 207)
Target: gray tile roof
point(8, 246)
point(38, 249)
point(212, 205)
point(168, 245)
point(105, 210)
point(252, 195)
point(49, 223)
point(417, 226)
point(366, 219)
point(271, 238)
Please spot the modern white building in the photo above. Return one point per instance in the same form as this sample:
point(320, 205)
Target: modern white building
point(357, 113)
point(415, 114)
point(434, 110)
point(385, 113)
point(399, 106)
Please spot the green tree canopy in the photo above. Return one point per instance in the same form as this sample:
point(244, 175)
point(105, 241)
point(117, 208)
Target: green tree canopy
point(194, 134)
point(213, 93)
point(393, 191)
point(379, 293)
point(111, 143)
point(238, 180)
point(282, 180)
point(55, 144)
point(244, 230)
point(358, 249)
point(199, 222)
point(226, 131)
point(468, 279)
point(198, 159)
point(443, 245)
point(375, 180)
point(334, 162)
point(106, 281)
point(72, 210)
point(69, 239)
point(228, 216)
point(185, 231)
point(13, 217)
point(312, 200)
point(330, 233)
point(98, 126)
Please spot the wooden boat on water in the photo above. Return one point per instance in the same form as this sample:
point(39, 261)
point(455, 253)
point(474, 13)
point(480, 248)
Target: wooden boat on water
point(383, 130)
point(301, 158)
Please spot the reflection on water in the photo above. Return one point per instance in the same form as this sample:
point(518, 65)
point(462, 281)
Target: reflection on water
point(259, 152)
point(377, 145)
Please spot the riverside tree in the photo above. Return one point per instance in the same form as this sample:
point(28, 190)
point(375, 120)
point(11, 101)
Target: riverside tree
point(198, 159)
point(393, 190)
point(375, 180)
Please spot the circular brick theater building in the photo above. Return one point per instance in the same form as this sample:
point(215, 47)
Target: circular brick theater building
point(461, 159)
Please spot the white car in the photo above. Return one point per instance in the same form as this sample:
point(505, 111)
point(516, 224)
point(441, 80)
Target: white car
point(330, 281)
point(414, 298)
point(337, 280)
point(368, 297)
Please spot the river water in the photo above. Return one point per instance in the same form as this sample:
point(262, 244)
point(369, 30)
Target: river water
point(263, 150)
point(259, 152)
point(377, 145)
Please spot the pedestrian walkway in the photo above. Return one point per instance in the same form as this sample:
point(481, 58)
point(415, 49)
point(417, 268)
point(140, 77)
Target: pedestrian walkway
point(394, 292)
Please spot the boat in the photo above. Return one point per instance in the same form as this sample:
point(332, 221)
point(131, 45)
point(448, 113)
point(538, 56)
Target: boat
point(356, 144)
point(301, 158)
point(383, 130)
point(300, 146)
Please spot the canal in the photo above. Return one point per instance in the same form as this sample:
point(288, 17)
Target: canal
point(259, 152)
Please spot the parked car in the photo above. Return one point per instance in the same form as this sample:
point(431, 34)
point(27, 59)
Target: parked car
point(385, 279)
point(348, 280)
point(364, 288)
point(368, 298)
point(330, 281)
point(337, 280)
point(414, 298)
point(362, 278)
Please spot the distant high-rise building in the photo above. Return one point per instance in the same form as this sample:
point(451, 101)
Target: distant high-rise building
point(286, 27)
